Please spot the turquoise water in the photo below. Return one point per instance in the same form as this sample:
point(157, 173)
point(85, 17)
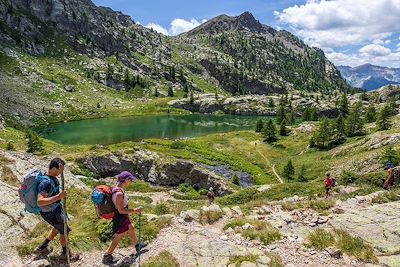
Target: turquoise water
point(119, 129)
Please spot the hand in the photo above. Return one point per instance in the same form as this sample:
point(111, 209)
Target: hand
point(138, 211)
point(62, 195)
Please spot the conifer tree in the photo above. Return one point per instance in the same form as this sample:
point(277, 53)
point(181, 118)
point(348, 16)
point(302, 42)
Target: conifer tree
point(269, 131)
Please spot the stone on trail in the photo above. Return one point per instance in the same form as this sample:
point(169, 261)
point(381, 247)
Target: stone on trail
point(263, 261)
point(228, 212)
point(237, 210)
point(248, 264)
point(247, 226)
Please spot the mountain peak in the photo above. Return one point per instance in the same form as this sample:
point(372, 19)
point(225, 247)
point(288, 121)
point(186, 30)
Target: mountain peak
point(247, 20)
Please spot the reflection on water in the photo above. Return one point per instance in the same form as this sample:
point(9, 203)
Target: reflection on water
point(114, 130)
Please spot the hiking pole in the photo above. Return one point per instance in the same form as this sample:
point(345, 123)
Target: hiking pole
point(140, 235)
point(64, 203)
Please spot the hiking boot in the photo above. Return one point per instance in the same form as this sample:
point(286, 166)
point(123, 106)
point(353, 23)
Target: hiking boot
point(72, 257)
point(43, 251)
point(109, 259)
point(142, 245)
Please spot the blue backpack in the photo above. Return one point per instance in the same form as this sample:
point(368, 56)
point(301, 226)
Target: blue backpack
point(28, 191)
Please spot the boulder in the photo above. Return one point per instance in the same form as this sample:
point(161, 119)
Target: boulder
point(263, 261)
point(228, 212)
point(69, 88)
point(248, 264)
point(247, 226)
point(334, 252)
point(190, 215)
point(39, 263)
point(237, 210)
point(264, 188)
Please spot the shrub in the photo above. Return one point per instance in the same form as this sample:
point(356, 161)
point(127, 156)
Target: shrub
point(104, 230)
point(210, 217)
point(34, 143)
point(185, 188)
point(177, 145)
point(348, 177)
point(321, 239)
point(235, 179)
point(161, 208)
point(10, 146)
point(164, 259)
point(203, 192)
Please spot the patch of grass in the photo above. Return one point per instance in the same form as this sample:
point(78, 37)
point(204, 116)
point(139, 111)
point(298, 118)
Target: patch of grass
point(164, 259)
point(142, 187)
point(237, 260)
point(210, 217)
point(392, 195)
point(353, 246)
point(322, 204)
point(263, 231)
point(141, 199)
point(321, 239)
point(8, 176)
point(161, 208)
point(276, 260)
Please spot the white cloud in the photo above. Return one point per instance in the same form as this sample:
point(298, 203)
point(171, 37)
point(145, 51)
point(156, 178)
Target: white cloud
point(392, 59)
point(177, 27)
point(157, 28)
point(342, 22)
point(375, 50)
point(398, 47)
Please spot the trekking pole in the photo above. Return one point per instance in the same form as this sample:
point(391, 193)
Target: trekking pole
point(64, 203)
point(140, 235)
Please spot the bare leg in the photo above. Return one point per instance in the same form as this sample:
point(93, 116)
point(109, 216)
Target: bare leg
point(52, 234)
point(63, 242)
point(132, 235)
point(114, 243)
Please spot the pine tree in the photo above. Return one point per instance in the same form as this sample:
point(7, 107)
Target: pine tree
point(259, 126)
point(370, 115)
point(354, 121)
point(269, 131)
point(339, 130)
point(383, 119)
point(291, 118)
point(390, 155)
point(170, 91)
point(282, 128)
point(271, 103)
point(343, 105)
point(301, 176)
point(34, 144)
point(288, 171)
point(235, 179)
point(156, 94)
point(322, 137)
point(191, 100)
point(280, 114)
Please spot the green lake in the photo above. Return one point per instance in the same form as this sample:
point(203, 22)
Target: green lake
point(119, 129)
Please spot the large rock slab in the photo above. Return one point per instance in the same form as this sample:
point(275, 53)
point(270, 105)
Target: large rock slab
point(378, 225)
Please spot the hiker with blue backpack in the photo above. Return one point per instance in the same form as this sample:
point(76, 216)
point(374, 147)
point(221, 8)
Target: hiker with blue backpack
point(112, 203)
point(41, 194)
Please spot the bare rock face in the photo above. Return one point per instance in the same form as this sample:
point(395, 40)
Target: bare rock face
point(2, 123)
point(149, 166)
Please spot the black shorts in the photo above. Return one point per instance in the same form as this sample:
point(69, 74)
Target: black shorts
point(56, 219)
point(327, 189)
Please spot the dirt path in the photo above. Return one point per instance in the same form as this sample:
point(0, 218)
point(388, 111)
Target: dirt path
point(269, 162)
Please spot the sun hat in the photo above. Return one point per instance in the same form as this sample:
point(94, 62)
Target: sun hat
point(125, 176)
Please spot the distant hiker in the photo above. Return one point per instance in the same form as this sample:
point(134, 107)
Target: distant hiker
point(121, 222)
point(328, 184)
point(211, 195)
point(393, 176)
point(49, 202)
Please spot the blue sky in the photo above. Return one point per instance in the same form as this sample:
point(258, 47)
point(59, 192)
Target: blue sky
point(351, 32)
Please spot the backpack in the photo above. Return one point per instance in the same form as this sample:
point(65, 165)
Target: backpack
point(102, 200)
point(334, 182)
point(28, 190)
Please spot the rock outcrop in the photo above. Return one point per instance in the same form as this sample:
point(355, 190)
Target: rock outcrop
point(150, 167)
point(250, 105)
point(2, 123)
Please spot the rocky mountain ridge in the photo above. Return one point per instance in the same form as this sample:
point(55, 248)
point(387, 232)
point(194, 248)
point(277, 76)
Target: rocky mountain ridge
point(370, 77)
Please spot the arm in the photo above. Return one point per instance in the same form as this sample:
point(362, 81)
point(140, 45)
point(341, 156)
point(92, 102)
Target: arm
point(120, 206)
point(46, 201)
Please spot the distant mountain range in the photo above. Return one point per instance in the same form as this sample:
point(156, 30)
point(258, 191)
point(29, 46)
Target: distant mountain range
point(370, 77)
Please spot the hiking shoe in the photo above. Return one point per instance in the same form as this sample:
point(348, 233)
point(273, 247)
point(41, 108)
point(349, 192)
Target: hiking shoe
point(43, 251)
point(142, 246)
point(72, 257)
point(109, 259)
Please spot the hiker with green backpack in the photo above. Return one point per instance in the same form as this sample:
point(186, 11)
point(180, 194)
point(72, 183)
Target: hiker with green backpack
point(41, 194)
point(112, 203)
